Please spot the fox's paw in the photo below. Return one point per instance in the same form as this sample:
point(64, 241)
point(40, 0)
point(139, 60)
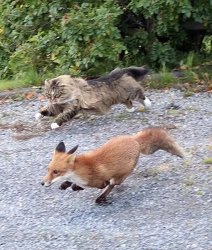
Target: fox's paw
point(75, 187)
point(65, 185)
point(101, 200)
point(54, 125)
point(38, 116)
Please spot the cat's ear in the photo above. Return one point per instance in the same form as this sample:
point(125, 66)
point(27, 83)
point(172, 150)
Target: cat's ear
point(46, 82)
point(61, 147)
point(73, 150)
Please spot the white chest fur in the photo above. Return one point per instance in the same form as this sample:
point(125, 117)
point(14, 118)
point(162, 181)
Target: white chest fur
point(73, 177)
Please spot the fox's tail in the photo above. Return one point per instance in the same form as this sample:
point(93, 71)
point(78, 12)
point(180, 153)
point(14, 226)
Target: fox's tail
point(153, 139)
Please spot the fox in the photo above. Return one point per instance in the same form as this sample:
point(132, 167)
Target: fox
point(108, 165)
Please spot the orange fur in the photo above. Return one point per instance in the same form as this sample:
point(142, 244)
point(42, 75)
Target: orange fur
point(111, 163)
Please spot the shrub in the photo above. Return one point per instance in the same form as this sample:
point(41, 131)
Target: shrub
point(90, 38)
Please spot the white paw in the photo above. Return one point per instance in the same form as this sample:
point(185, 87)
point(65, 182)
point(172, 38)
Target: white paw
point(38, 116)
point(131, 109)
point(54, 125)
point(147, 103)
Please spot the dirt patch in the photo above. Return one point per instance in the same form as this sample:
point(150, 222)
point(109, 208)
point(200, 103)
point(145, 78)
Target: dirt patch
point(25, 131)
point(152, 172)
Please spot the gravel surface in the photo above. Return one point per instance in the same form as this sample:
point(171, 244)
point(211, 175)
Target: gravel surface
point(164, 204)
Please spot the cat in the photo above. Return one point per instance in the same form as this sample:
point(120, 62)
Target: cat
point(68, 96)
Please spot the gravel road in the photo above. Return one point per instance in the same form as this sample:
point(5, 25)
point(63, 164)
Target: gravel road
point(165, 204)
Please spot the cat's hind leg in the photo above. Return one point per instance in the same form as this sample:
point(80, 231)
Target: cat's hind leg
point(143, 99)
point(130, 107)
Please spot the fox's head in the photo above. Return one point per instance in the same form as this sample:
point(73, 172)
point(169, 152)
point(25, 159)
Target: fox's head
point(61, 165)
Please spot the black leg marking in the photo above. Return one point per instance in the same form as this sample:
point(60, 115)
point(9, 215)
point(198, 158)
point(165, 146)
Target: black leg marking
point(102, 198)
point(65, 185)
point(75, 187)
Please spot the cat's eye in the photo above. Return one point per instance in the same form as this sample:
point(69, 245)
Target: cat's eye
point(55, 172)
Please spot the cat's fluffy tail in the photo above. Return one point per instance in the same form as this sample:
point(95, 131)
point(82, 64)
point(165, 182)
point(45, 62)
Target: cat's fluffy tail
point(137, 73)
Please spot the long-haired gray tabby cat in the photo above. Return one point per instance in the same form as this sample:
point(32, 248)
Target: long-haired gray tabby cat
point(67, 95)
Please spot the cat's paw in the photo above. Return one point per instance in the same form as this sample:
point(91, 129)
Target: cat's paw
point(54, 125)
point(147, 102)
point(131, 109)
point(38, 116)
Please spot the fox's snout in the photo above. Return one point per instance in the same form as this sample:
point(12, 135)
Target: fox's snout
point(46, 184)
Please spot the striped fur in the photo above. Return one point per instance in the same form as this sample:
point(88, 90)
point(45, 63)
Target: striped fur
point(67, 95)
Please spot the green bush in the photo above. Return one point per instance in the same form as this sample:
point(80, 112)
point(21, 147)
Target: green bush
point(90, 38)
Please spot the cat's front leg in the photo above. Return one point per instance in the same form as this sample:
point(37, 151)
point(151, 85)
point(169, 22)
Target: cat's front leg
point(65, 116)
point(50, 110)
point(43, 112)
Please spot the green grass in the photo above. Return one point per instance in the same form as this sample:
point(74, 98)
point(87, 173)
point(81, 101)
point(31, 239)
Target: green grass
point(195, 70)
point(11, 84)
point(30, 78)
point(208, 161)
point(189, 182)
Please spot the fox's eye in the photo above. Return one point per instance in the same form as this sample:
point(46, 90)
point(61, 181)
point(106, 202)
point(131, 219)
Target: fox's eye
point(55, 171)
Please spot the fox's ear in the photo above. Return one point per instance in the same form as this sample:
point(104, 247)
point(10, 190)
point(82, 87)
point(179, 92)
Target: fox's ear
point(71, 159)
point(73, 150)
point(61, 147)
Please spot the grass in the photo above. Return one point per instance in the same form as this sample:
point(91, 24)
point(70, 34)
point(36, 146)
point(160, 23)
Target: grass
point(189, 182)
point(188, 93)
point(173, 112)
point(12, 84)
point(152, 172)
point(30, 78)
point(196, 72)
point(163, 79)
point(208, 160)
point(194, 69)
point(121, 117)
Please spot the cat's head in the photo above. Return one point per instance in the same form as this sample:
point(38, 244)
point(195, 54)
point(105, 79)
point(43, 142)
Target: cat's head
point(58, 90)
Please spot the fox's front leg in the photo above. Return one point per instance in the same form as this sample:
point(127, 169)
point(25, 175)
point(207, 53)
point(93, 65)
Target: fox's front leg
point(65, 116)
point(67, 184)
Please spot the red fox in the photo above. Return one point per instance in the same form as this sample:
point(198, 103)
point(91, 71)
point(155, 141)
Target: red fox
point(108, 165)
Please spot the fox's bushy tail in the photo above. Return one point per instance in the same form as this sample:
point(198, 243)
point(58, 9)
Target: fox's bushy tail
point(153, 139)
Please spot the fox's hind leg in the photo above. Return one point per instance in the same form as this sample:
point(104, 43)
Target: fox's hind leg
point(102, 197)
point(113, 182)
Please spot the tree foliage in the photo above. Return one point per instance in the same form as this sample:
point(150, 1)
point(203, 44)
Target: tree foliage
point(92, 37)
